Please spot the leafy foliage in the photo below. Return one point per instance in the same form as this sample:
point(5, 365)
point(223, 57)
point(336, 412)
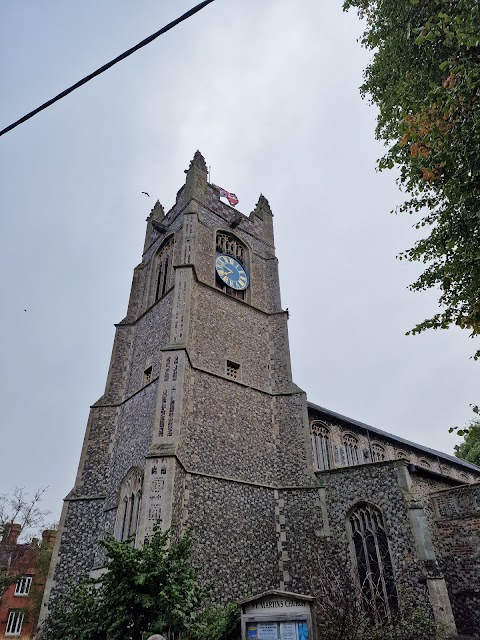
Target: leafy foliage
point(6, 579)
point(469, 449)
point(425, 79)
point(144, 590)
point(216, 623)
point(42, 566)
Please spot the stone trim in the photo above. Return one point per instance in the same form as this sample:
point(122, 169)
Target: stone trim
point(84, 498)
point(181, 211)
point(412, 468)
point(455, 503)
point(182, 347)
point(280, 528)
point(203, 284)
point(144, 313)
point(261, 485)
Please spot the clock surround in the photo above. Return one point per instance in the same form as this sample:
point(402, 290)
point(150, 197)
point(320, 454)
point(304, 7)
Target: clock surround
point(231, 272)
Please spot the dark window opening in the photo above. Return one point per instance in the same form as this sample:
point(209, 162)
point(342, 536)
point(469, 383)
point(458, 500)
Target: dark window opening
point(374, 565)
point(163, 262)
point(320, 438)
point(147, 375)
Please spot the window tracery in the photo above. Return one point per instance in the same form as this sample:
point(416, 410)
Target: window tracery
point(373, 562)
point(129, 500)
point(351, 449)
point(424, 463)
point(163, 267)
point(402, 455)
point(228, 244)
point(378, 452)
point(320, 438)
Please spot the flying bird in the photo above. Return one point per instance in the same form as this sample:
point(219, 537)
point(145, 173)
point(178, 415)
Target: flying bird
point(147, 194)
point(25, 310)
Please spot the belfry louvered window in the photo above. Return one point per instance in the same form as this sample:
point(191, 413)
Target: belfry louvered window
point(378, 453)
point(351, 449)
point(163, 267)
point(229, 245)
point(373, 561)
point(320, 437)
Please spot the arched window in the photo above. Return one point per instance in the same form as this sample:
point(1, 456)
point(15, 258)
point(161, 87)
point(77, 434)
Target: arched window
point(378, 452)
point(373, 562)
point(351, 449)
point(163, 267)
point(320, 436)
point(402, 455)
point(229, 245)
point(464, 477)
point(423, 463)
point(130, 497)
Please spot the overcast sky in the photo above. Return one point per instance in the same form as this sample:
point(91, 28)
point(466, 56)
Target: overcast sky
point(268, 91)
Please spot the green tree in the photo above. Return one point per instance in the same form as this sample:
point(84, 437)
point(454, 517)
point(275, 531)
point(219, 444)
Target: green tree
point(424, 77)
point(469, 449)
point(144, 590)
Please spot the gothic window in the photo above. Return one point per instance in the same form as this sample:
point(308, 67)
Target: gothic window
point(373, 562)
point(129, 505)
point(228, 244)
point(423, 463)
point(402, 455)
point(378, 453)
point(163, 267)
point(351, 449)
point(464, 477)
point(320, 437)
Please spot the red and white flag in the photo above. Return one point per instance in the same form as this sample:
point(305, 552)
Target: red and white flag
point(231, 197)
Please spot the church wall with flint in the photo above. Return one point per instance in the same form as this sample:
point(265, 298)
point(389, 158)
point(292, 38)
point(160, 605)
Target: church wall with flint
point(202, 427)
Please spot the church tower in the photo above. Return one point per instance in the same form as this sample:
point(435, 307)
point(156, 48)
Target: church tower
point(200, 424)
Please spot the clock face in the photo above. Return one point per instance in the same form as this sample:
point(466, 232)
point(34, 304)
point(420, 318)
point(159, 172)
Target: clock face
point(231, 272)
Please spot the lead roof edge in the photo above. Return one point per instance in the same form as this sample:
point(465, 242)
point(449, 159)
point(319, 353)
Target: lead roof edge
point(391, 436)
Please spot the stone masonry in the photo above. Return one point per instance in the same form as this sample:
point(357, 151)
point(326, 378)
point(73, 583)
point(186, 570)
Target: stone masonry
point(201, 426)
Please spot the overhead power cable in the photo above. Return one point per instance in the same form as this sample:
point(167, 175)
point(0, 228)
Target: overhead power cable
point(122, 56)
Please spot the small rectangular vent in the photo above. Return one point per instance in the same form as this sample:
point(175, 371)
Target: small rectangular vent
point(233, 370)
point(147, 375)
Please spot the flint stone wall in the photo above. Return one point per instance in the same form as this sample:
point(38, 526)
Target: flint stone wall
point(79, 543)
point(377, 484)
point(234, 524)
point(457, 524)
